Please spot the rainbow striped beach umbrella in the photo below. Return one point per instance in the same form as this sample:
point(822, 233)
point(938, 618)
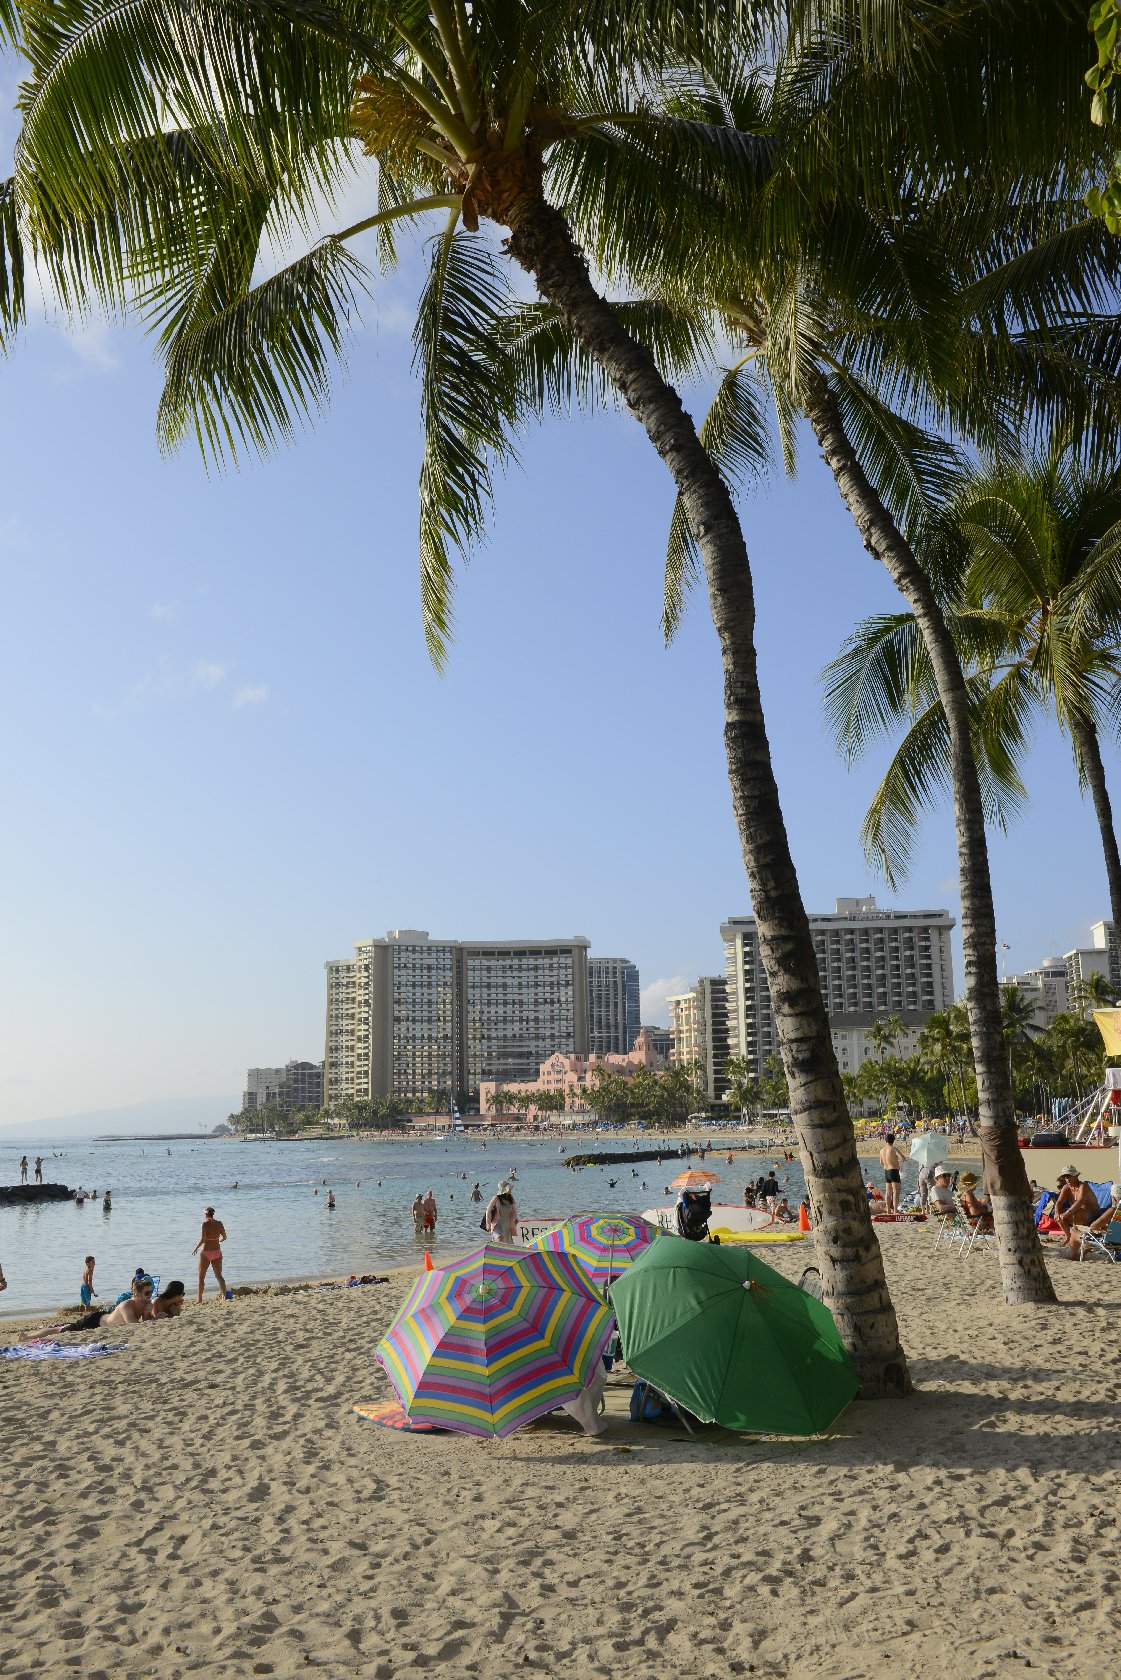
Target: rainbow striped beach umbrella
point(604, 1243)
point(495, 1340)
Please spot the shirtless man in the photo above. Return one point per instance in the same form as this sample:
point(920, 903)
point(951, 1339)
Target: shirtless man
point(891, 1161)
point(1076, 1204)
point(210, 1241)
point(1098, 1226)
point(428, 1207)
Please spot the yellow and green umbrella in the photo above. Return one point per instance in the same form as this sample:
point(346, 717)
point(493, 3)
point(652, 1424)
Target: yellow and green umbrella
point(732, 1340)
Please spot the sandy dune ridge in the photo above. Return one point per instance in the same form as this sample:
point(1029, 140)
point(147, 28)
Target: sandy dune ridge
point(208, 1504)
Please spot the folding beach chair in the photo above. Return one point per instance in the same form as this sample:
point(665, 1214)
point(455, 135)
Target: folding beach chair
point(810, 1283)
point(1107, 1243)
point(951, 1228)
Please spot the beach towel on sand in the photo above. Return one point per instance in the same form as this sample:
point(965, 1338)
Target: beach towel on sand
point(56, 1350)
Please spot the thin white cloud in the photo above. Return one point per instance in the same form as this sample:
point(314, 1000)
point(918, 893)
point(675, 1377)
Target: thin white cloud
point(655, 1010)
point(253, 694)
point(168, 680)
point(209, 673)
point(163, 610)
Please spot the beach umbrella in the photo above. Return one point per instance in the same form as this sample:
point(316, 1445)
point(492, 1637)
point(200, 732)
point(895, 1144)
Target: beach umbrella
point(605, 1244)
point(495, 1339)
point(732, 1340)
point(695, 1180)
point(929, 1148)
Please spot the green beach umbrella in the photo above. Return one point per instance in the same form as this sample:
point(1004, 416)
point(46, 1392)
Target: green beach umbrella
point(731, 1339)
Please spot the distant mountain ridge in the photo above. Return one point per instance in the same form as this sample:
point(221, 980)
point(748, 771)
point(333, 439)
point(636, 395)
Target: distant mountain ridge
point(158, 1114)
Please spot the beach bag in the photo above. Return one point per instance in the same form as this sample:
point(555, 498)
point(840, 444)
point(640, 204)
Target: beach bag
point(647, 1406)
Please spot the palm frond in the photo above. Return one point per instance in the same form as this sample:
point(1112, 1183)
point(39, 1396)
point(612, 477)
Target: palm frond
point(914, 472)
point(736, 437)
point(248, 374)
point(12, 296)
point(918, 777)
point(470, 409)
point(554, 373)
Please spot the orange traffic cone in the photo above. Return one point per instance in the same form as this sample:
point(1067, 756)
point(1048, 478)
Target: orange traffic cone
point(803, 1218)
point(428, 1266)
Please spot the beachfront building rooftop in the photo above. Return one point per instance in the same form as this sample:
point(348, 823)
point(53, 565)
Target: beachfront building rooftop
point(699, 1031)
point(613, 1005)
point(873, 963)
point(570, 1074)
point(409, 1014)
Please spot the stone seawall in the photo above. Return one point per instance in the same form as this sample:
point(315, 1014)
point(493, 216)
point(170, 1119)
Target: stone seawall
point(14, 1194)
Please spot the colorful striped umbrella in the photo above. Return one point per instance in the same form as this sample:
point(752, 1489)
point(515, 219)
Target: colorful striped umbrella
point(495, 1340)
point(695, 1180)
point(604, 1243)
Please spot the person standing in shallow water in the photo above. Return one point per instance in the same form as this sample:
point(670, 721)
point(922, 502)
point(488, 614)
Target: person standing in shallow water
point(210, 1241)
point(502, 1214)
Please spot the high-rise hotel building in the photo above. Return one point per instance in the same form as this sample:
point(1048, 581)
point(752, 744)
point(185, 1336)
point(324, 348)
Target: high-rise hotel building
point(613, 1005)
point(873, 963)
point(409, 1014)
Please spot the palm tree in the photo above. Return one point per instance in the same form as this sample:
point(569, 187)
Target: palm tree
point(1029, 573)
point(1093, 991)
point(541, 123)
point(883, 1036)
point(1017, 1014)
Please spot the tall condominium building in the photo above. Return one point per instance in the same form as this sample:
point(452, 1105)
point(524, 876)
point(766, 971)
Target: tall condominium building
point(261, 1086)
point(409, 1014)
point(613, 1004)
point(1048, 988)
point(699, 1030)
point(660, 1040)
point(1103, 957)
point(295, 1085)
point(873, 963)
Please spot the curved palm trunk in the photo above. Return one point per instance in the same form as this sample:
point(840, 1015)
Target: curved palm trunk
point(1023, 1273)
point(851, 1262)
point(1086, 741)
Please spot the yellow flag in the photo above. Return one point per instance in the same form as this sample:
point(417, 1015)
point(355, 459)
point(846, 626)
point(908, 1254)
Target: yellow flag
point(1108, 1022)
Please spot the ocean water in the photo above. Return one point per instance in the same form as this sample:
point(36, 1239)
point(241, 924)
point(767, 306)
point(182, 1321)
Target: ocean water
point(278, 1227)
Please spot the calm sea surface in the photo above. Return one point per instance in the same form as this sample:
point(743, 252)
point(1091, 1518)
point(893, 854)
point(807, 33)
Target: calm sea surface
point(277, 1227)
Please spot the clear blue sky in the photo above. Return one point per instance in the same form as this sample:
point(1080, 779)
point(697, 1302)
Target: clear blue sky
point(227, 757)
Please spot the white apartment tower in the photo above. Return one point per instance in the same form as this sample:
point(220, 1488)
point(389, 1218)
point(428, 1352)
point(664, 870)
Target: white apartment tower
point(613, 1005)
point(873, 963)
point(1103, 957)
point(409, 1014)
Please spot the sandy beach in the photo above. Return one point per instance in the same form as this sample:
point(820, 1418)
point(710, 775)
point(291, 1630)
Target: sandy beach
point(207, 1503)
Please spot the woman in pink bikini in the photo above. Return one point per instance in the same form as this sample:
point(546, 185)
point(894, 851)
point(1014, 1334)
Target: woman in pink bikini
point(211, 1240)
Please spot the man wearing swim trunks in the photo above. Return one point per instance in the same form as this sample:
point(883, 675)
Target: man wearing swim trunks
point(428, 1209)
point(891, 1161)
point(211, 1240)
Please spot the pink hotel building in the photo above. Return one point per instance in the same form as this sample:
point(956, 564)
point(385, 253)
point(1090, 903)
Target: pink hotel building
point(570, 1075)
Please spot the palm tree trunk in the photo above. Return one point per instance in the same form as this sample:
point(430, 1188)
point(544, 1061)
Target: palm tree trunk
point(851, 1261)
point(1023, 1273)
point(1085, 735)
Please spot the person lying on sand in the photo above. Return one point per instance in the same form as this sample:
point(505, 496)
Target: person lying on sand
point(134, 1310)
point(170, 1301)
